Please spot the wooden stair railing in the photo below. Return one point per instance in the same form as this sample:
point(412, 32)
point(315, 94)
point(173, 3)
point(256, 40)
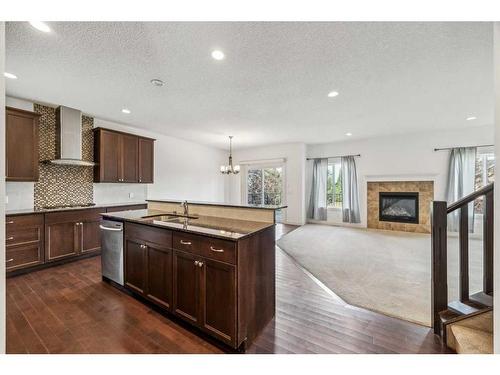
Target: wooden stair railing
point(444, 312)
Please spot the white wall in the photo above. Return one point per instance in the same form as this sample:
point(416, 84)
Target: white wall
point(400, 157)
point(294, 153)
point(183, 170)
point(2, 191)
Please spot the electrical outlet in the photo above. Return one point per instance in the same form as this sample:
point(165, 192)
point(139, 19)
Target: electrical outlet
point(130, 195)
point(6, 199)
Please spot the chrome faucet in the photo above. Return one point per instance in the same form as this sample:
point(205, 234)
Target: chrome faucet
point(186, 208)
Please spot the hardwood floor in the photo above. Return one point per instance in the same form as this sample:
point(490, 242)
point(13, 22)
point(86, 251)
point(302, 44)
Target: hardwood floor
point(68, 309)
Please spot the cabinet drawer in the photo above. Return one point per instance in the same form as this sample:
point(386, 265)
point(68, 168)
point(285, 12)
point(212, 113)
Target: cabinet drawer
point(161, 237)
point(22, 222)
point(23, 235)
point(212, 248)
point(23, 256)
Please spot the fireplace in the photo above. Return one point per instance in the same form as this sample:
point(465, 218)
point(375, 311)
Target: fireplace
point(398, 207)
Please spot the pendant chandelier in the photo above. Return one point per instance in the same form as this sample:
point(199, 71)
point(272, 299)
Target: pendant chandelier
point(228, 169)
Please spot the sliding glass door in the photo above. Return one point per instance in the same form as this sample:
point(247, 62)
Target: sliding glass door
point(265, 185)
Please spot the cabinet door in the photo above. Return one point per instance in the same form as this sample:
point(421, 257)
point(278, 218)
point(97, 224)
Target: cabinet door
point(62, 240)
point(110, 156)
point(21, 145)
point(135, 265)
point(159, 274)
point(91, 236)
point(129, 156)
point(146, 160)
point(186, 287)
point(218, 295)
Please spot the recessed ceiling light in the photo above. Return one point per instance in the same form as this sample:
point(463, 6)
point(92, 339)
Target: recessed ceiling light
point(157, 82)
point(332, 94)
point(218, 55)
point(9, 75)
point(125, 110)
point(348, 134)
point(471, 118)
point(39, 25)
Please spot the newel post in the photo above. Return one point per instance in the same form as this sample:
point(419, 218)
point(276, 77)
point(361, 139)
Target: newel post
point(439, 264)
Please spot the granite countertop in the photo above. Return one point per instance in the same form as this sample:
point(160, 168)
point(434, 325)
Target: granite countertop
point(229, 229)
point(222, 204)
point(27, 211)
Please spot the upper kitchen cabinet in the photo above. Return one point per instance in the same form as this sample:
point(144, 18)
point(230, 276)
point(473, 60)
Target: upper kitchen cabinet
point(21, 145)
point(146, 160)
point(122, 157)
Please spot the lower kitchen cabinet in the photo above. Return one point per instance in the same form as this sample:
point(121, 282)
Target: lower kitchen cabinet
point(218, 299)
point(72, 233)
point(135, 265)
point(224, 288)
point(186, 303)
point(159, 275)
point(24, 241)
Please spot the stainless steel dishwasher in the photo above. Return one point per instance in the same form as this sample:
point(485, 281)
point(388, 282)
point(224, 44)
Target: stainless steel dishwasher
point(112, 250)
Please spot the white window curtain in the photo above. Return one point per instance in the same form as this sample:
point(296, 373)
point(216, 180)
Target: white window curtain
point(317, 209)
point(350, 195)
point(461, 174)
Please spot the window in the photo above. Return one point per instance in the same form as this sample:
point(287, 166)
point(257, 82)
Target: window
point(334, 185)
point(485, 174)
point(265, 186)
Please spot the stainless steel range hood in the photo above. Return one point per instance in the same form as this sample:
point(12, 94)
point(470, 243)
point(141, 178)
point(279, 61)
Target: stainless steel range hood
point(69, 138)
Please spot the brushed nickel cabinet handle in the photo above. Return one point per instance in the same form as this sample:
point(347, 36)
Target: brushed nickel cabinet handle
point(143, 246)
point(9, 260)
point(200, 264)
point(196, 263)
point(10, 238)
point(10, 222)
point(185, 242)
point(216, 250)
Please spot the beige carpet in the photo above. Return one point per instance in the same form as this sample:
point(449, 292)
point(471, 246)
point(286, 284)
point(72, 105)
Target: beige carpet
point(384, 271)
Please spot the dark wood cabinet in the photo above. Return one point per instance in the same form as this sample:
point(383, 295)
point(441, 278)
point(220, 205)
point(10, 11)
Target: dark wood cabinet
point(122, 157)
point(218, 298)
point(186, 293)
point(72, 233)
point(146, 160)
point(24, 241)
point(21, 145)
point(135, 265)
point(224, 288)
point(129, 158)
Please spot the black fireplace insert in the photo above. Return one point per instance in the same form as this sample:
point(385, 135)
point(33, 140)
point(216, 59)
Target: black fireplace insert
point(398, 207)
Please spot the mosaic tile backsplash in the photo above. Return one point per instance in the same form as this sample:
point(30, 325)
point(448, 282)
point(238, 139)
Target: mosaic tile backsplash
point(58, 184)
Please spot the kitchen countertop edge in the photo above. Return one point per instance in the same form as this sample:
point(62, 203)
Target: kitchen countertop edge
point(31, 211)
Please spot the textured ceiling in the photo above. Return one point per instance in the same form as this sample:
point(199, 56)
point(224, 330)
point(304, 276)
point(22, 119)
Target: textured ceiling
point(273, 85)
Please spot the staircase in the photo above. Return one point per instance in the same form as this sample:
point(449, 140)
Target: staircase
point(466, 325)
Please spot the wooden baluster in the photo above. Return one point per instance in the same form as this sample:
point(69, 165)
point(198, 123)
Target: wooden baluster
point(439, 264)
point(488, 243)
point(464, 253)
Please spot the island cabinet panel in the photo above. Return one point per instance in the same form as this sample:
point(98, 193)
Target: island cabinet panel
point(21, 145)
point(218, 294)
point(159, 275)
point(135, 265)
point(122, 157)
point(146, 160)
point(186, 293)
point(224, 288)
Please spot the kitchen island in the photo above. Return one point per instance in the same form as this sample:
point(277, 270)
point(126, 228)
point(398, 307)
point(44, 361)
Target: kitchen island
point(215, 272)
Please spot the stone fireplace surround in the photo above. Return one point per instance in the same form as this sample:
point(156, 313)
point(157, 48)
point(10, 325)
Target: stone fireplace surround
point(425, 196)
